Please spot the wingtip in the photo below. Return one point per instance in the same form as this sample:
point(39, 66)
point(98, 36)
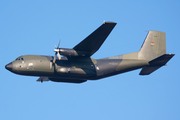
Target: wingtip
point(106, 22)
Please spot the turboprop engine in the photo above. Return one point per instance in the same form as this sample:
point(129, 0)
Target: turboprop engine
point(67, 52)
point(71, 52)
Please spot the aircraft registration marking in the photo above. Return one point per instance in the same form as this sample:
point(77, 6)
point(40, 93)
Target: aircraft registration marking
point(113, 63)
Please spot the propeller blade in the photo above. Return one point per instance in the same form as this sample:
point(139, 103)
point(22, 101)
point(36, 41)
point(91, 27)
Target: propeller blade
point(54, 57)
point(59, 56)
point(57, 52)
point(59, 43)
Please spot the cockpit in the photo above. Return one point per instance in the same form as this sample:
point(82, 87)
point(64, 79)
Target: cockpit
point(20, 58)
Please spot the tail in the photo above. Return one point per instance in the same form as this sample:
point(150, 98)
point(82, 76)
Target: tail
point(154, 50)
point(153, 46)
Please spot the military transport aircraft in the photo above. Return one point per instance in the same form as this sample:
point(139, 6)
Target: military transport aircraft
point(77, 66)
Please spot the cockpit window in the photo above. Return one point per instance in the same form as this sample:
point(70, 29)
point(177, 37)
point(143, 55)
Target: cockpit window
point(19, 58)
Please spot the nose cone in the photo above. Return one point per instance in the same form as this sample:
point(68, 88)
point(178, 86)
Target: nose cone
point(9, 66)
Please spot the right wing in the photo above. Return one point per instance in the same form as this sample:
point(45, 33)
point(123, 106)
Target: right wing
point(94, 41)
point(67, 80)
point(41, 79)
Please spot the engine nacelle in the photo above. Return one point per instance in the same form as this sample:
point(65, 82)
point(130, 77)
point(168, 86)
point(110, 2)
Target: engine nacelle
point(72, 52)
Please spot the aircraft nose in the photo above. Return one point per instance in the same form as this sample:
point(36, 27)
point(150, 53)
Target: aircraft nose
point(9, 66)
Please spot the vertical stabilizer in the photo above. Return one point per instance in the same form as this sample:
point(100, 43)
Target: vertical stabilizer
point(153, 46)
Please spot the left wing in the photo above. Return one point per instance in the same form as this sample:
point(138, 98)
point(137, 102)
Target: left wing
point(94, 41)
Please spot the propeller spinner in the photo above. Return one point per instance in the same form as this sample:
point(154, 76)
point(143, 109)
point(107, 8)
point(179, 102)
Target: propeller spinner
point(57, 50)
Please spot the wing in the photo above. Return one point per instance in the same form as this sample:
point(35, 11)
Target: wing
point(41, 79)
point(94, 41)
point(67, 80)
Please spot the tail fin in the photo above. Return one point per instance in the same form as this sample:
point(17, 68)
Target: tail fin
point(153, 46)
point(154, 50)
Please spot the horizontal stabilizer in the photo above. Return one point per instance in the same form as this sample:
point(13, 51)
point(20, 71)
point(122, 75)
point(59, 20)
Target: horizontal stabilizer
point(162, 60)
point(156, 64)
point(148, 70)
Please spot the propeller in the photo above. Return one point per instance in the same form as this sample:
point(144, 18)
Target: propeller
point(57, 50)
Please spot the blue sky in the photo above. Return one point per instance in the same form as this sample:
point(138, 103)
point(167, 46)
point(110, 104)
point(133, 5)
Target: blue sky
point(34, 27)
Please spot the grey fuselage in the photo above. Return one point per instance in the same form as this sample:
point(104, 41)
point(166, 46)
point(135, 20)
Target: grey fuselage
point(77, 66)
point(84, 68)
